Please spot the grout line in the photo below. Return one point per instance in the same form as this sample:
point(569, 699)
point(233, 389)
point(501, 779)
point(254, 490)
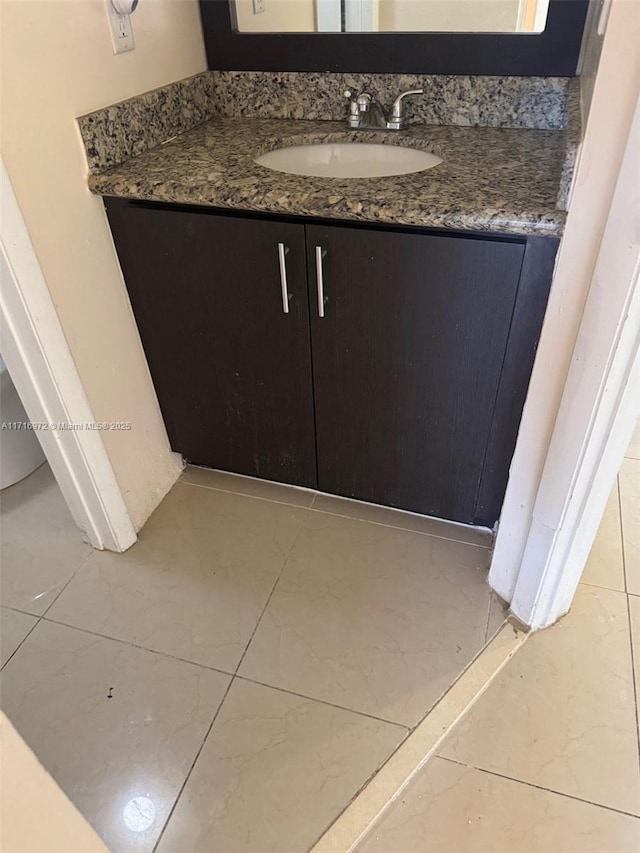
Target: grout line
point(41, 616)
point(405, 529)
point(62, 589)
point(273, 589)
point(85, 560)
point(600, 586)
point(360, 790)
point(458, 678)
point(235, 676)
point(438, 705)
point(411, 731)
point(19, 610)
point(486, 628)
point(209, 668)
point(537, 787)
point(29, 632)
point(137, 646)
point(193, 764)
point(444, 522)
point(633, 651)
point(310, 507)
point(636, 687)
point(406, 728)
point(242, 494)
point(624, 591)
point(621, 520)
point(239, 477)
point(232, 679)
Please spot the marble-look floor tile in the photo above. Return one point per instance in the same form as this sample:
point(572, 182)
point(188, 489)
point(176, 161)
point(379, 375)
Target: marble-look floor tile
point(562, 714)
point(117, 727)
point(629, 479)
point(14, 627)
point(40, 546)
point(240, 485)
point(372, 618)
point(274, 773)
point(449, 809)
point(195, 583)
point(405, 520)
point(605, 566)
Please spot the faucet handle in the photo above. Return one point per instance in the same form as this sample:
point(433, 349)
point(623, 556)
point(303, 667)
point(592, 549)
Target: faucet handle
point(354, 110)
point(364, 102)
point(398, 104)
point(359, 103)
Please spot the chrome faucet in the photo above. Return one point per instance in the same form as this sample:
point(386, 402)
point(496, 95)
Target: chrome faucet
point(367, 113)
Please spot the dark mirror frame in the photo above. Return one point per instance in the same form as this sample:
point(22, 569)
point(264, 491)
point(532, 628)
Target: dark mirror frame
point(552, 53)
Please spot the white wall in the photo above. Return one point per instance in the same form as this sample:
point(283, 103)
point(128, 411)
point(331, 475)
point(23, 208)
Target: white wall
point(393, 15)
point(448, 16)
point(284, 16)
point(57, 63)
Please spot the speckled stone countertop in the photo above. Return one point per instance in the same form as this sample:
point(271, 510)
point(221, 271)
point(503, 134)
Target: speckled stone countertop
point(491, 179)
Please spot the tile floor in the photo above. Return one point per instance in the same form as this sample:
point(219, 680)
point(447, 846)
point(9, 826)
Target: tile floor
point(547, 760)
point(234, 679)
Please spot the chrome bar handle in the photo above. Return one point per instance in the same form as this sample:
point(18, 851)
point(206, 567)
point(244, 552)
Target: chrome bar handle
point(320, 253)
point(282, 251)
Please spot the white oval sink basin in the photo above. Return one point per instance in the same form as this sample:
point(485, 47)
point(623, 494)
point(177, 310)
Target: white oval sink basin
point(348, 160)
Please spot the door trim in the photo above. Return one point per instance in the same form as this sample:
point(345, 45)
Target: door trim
point(43, 371)
point(542, 546)
point(599, 409)
point(610, 116)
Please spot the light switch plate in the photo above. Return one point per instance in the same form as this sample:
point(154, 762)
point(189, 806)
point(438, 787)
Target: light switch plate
point(121, 31)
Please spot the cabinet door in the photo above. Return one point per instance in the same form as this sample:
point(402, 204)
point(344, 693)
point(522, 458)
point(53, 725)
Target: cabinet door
point(406, 363)
point(231, 369)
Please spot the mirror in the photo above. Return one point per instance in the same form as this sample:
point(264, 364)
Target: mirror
point(545, 41)
point(391, 16)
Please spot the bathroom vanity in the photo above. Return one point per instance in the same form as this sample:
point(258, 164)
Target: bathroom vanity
point(367, 337)
point(371, 337)
point(388, 365)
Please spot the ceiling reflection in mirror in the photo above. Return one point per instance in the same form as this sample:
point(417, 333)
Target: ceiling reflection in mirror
point(391, 16)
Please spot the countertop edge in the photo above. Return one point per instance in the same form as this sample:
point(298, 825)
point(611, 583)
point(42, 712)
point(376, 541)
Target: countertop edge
point(490, 222)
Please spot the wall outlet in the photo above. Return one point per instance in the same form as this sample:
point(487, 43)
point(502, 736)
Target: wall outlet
point(121, 31)
point(259, 6)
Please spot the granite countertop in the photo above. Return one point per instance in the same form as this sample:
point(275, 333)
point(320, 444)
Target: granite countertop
point(491, 179)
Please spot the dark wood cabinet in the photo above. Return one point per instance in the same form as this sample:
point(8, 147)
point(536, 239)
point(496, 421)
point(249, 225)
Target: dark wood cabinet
point(231, 369)
point(406, 363)
point(393, 369)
